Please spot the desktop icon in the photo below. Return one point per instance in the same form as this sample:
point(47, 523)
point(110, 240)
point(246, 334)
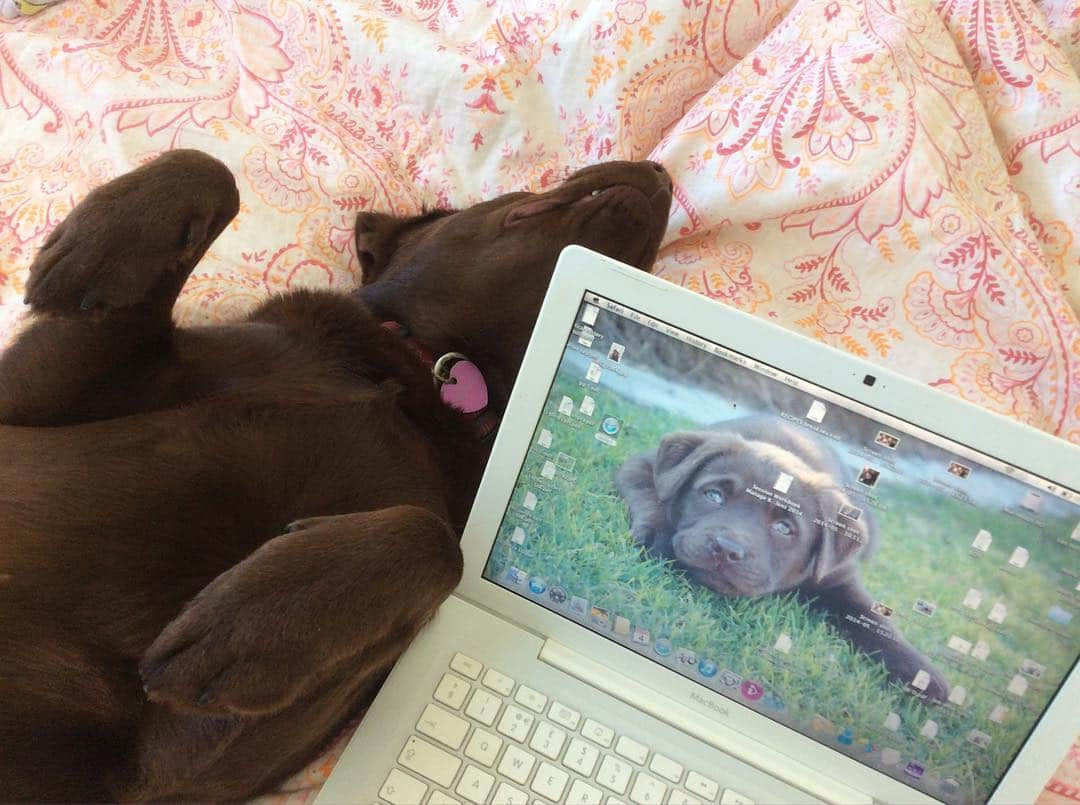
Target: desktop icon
point(1020, 557)
point(608, 431)
point(914, 769)
point(751, 690)
point(730, 679)
point(600, 617)
point(816, 412)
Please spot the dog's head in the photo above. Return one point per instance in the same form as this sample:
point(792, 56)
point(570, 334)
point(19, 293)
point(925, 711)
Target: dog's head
point(472, 280)
point(736, 533)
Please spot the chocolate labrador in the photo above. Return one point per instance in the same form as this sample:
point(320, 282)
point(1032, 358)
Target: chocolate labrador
point(215, 541)
point(706, 499)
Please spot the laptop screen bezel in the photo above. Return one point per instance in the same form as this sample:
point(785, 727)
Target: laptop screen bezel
point(580, 271)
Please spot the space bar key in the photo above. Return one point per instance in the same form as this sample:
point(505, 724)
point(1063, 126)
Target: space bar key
point(433, 763)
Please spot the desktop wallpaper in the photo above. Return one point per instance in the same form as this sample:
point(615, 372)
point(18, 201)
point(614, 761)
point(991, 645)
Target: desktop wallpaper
point(978, 570)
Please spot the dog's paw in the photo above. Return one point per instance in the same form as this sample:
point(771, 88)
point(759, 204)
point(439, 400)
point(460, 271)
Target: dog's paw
point(115, 248)
point(222, 656)
point(653, 537)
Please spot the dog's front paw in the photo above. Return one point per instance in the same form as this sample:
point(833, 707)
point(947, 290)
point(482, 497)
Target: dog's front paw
point(223, 655)
point(140, 233)
point(654, 537)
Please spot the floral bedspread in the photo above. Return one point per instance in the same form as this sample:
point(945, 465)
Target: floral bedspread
point(897, 178)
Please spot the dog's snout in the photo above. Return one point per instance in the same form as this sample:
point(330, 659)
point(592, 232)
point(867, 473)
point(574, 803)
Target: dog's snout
point(726, 548)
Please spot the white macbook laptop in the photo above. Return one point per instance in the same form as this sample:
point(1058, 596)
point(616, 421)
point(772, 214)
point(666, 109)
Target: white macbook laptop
point(677, 635)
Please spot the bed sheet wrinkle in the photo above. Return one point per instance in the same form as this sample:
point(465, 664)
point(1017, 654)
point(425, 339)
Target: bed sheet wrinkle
point(898, 180)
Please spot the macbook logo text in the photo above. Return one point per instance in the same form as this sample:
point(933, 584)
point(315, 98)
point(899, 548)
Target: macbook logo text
point(714, 706)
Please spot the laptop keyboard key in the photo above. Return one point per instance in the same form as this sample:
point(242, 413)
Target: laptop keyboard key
point(402, 789)
point(444, 727)
point(595, 731)
point(466, 666)
point(679, 797)
point(632, 750)
point(581, 757)
point(442, 798)
point(483, 747)
point(730, 797)
point(548, 740)
point(533, 699)
point(515, 723)
point(581, 793)
point(702, 786)
point(666, 768)
point(614, 774)
point(550, 782)
point(647, 790)
point(483, 707)
point(516, 764)
point(429, 761)
point(508, 795)
point(498, 682)
point(452, 691)
point(475, 785)
point(564, 716)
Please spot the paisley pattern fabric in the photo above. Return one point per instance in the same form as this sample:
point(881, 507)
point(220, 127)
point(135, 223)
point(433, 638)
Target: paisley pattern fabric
point(900, 180)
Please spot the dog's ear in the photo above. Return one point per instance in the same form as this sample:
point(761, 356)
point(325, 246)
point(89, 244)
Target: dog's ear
point(635, 482)
point(679, 456)
point(376, 240)
point(378, 235)
point(843, 541)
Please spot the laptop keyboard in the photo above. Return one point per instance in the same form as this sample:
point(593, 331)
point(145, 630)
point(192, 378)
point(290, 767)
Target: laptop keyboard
point(486, 739)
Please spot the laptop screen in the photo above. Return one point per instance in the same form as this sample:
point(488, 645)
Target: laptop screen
point(900, 598)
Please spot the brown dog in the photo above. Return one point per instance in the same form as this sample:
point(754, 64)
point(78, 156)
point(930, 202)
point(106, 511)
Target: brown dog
point(706, 500)
point(215, 541)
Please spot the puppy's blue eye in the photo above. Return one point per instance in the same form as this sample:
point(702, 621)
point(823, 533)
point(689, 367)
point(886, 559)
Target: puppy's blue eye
point(714, 494)
point(781, 528)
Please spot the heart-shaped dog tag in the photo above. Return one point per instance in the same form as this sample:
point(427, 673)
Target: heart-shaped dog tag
point(466, 390)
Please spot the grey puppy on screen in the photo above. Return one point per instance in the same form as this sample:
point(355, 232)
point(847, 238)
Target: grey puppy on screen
point(755, 506)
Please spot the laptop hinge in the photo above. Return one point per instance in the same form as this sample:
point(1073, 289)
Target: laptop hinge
point(701, 727)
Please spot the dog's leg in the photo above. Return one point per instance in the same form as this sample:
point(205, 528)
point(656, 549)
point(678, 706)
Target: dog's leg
point(312, 615)
point(848, 609)
point(103, 286)
point(66, 713)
